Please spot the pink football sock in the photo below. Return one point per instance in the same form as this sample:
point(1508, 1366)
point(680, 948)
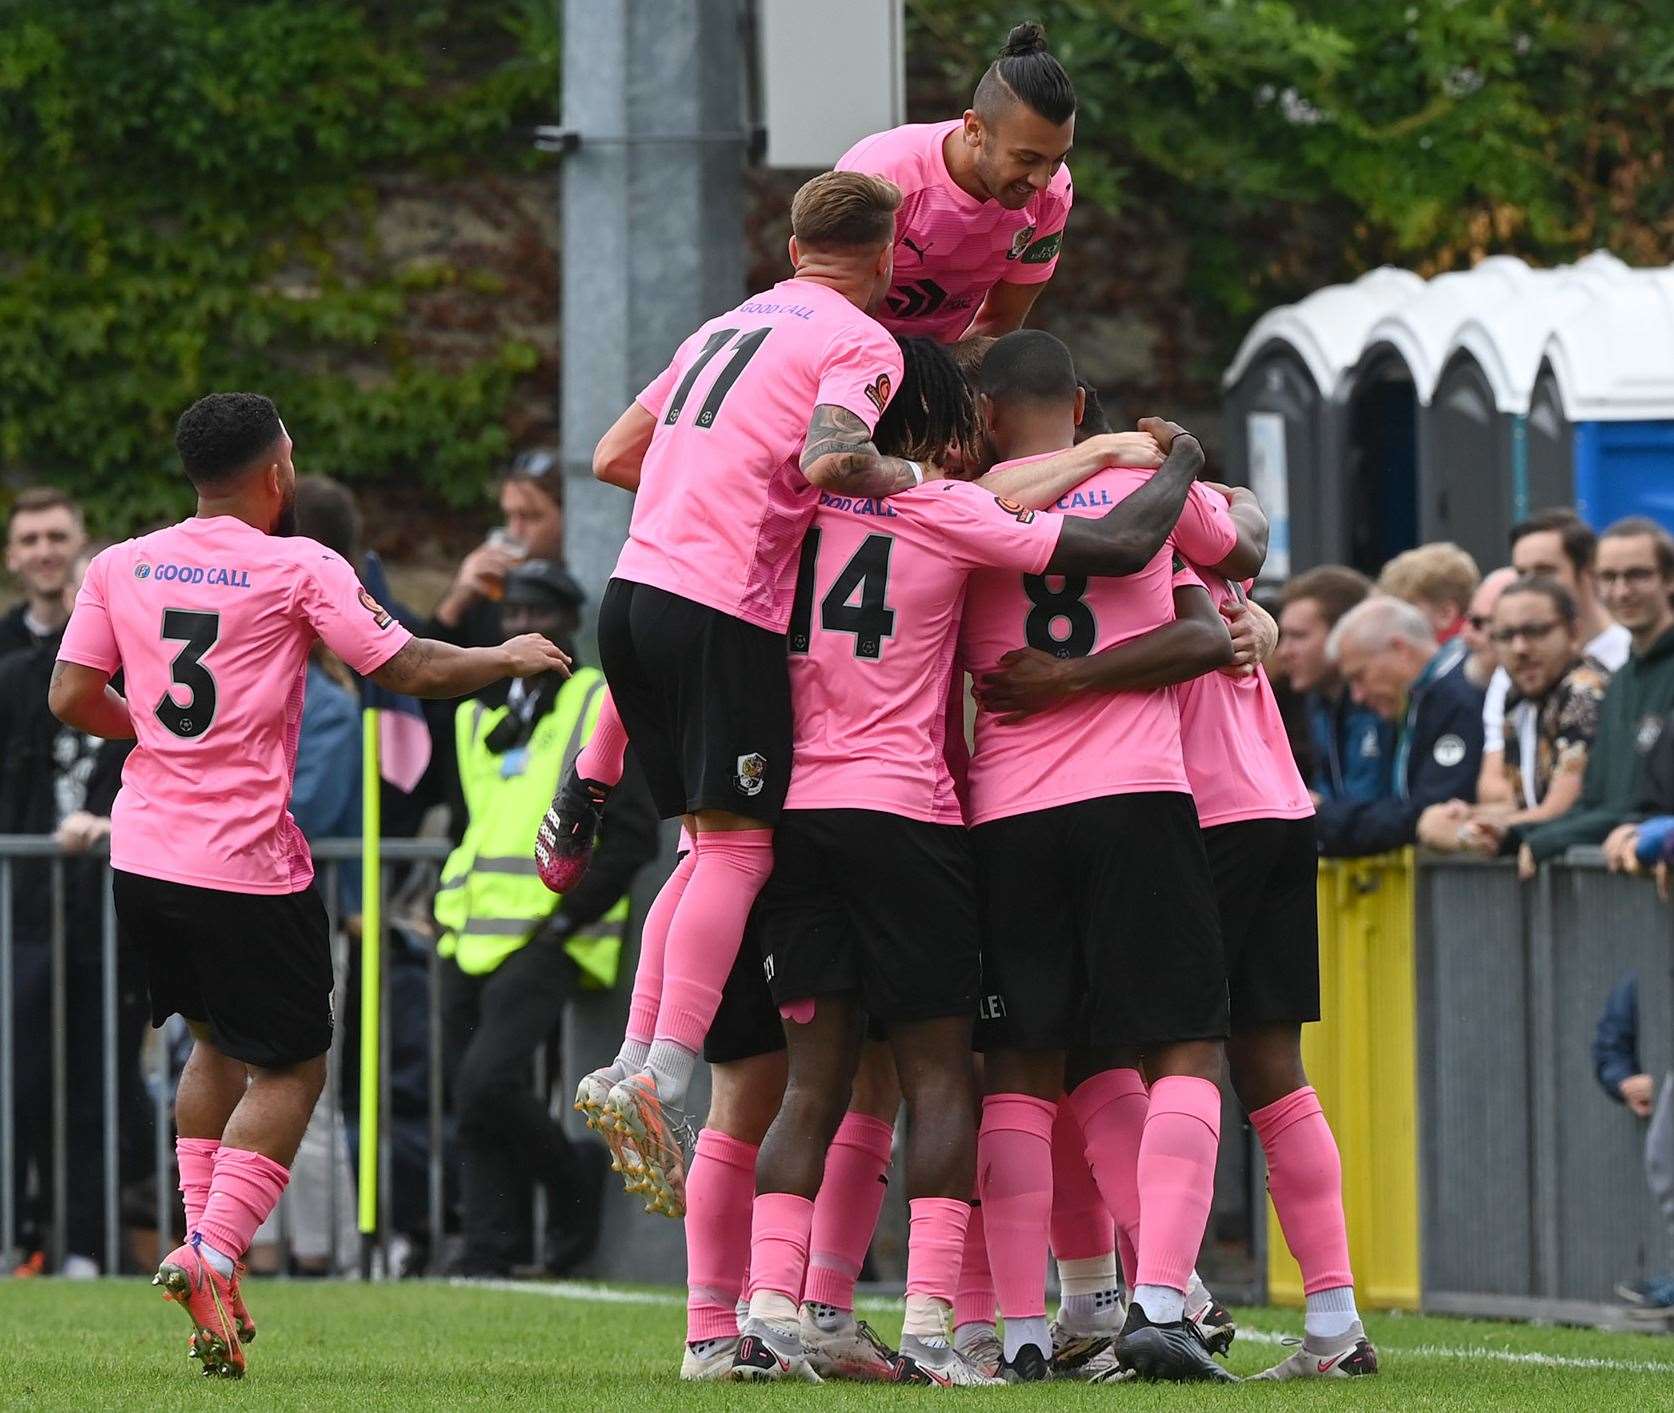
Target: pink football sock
point(1111, 1109)
point(1082, 1226)
point(1305, 1177)
point(653, 938)
point(779, 1227)
point(195, 1158)
point(846, 1209)
point(935, 1244)
point(720, 1187)
point(1014, 1164)
point(706, 929)
point(973, 1302)
point(601, 758)
point(245, 1189)
point(1176, 1178)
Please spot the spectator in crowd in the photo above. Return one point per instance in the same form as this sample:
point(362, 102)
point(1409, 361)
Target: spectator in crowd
point(514, 952)
point(532, 501)
point(1620, 1075)
point(1386, 651)
point(1635, 577)
point(44, 536)
point(55, 780)
point(1557, 694)
point(1557, 545)
point(1438, 580)
point(1477, 633)
point(1353, 747)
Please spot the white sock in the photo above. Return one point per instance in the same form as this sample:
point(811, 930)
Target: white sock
point(775, 1306)
point(1162, 1304)
point(926, 1317)
point(1331, 1313)
point(826, 1317)
point(742, 1309)
point(216, 1258)
point(703, 1348)
point(671, 1066)
point(971, 1331)
point(1091, 1297)
point(1032, 1331)
point(1197, 1294)
point(630, 1059)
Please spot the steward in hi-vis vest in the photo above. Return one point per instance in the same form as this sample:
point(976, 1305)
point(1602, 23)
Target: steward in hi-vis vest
point(516, 953)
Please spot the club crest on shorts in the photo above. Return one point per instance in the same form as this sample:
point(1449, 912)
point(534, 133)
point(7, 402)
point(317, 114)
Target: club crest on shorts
point(878, 391)
point(751, 774)
point(1449, 750)
point(380, 615)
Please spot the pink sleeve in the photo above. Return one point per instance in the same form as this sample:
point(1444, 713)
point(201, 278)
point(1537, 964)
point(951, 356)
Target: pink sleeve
point(353, 624)
point(860, 370)
point(1040, 257)
point(89, 640)
point(1204, 532)
point(655, 395)
point(986, 531)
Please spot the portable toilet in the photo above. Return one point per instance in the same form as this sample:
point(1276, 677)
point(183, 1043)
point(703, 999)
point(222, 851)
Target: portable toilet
point(1285, 429)
point(1612, 363)
point(1424, 470)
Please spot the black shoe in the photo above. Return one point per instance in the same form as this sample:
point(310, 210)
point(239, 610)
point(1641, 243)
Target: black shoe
point(564, 841)
point(1213, 1323)
point(580, 1223)
point(1029, 1367)
point(1173, 1352)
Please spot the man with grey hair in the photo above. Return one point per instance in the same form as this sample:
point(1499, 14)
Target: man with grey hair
point(1386, 653)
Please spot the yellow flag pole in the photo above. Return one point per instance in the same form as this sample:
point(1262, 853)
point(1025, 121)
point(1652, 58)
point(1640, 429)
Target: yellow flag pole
point(371, 983)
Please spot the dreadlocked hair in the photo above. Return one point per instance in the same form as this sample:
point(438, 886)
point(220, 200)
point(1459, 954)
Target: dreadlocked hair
point(933, 410)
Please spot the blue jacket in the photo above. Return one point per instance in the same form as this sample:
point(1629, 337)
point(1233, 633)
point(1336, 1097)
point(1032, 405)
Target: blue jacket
point(1354, 745)
point(1438, 752)
point(1616, 1041)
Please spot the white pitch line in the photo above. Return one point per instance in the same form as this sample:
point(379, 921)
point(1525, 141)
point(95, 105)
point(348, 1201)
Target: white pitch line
point(612, 1295)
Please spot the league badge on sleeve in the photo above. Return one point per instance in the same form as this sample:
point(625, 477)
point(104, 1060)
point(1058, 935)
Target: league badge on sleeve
point(380, 615)
point(1020, 241)
point(1021, 514)
point(878, 391)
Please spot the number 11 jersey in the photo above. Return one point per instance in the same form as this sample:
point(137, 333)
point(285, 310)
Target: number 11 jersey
point(1096, 743)
point(210, 623)
point(722, 501)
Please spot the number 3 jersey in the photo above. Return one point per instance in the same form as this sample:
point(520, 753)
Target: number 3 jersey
point(873, 634)
point(210, 623)
point(1096, 743)
point(722, 502)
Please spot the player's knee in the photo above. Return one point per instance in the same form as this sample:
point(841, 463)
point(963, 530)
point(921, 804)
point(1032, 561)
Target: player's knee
point(1195, 1059)
point(815, 1106)
point(1265, 1065)
point(876, 1090)
point(745, 1096)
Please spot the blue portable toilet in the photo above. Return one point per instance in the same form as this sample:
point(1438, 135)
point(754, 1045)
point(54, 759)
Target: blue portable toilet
point(1286, 421)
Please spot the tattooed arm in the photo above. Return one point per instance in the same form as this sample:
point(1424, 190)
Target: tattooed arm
point(838, 456)
point(428, 668)
point(82, 698)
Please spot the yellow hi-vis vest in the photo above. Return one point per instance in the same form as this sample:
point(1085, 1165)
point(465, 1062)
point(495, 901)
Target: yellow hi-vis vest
point(491, 898)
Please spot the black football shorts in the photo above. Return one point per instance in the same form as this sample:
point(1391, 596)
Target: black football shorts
point(1266, 874)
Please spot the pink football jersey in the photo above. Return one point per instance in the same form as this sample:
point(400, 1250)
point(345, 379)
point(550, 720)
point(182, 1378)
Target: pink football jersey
point(722, 502)
point(951, 248)
point(1094, 744)
point(1238, 756)
point(210, 622)
point(872, 640)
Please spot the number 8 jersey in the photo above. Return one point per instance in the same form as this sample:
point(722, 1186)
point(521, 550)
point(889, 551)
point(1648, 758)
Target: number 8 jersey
point(722, 502)
point(1095, 744)
point(210, 623)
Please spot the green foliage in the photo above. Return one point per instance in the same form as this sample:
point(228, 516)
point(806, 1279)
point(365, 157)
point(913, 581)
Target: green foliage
point(1295, 141)
point(188, 193)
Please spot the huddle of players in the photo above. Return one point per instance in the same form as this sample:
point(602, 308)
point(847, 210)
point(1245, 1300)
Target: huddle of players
point(790, 591)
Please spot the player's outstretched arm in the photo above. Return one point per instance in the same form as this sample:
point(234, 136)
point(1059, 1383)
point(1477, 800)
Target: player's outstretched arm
point(838, 456)
point(83, 699)
point(1126, 539)
point(1028, 680)
point(621, 450)
point(1039, 485)
point(428, 668)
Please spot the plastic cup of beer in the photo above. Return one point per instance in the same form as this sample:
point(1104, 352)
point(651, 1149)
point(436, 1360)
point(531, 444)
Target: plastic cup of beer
point(503, 539)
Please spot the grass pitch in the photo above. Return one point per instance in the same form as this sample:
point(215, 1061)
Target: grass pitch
point(326, 1345)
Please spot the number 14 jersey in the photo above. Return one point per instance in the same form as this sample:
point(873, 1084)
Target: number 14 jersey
point(1097, 743)
point(722, 502)
point(872, 638)
point(210, 623)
